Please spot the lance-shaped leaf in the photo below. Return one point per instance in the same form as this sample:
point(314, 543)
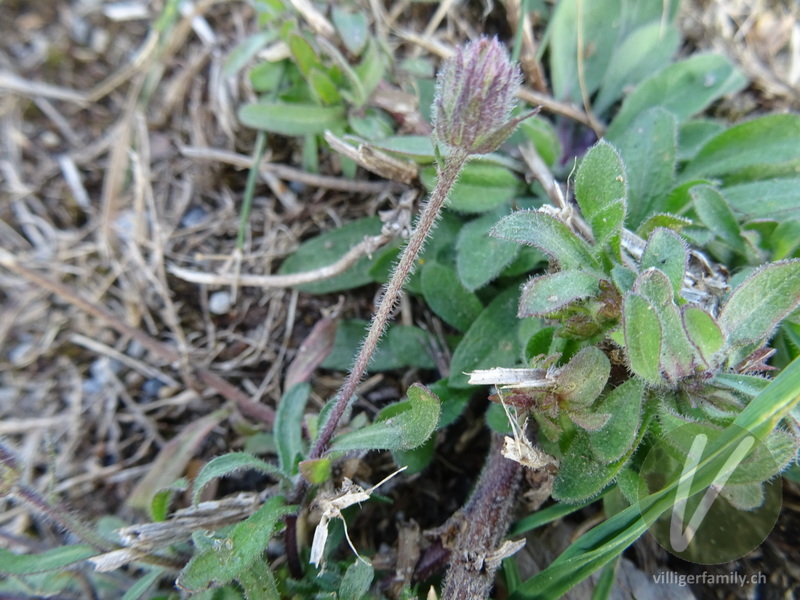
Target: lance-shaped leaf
point(479, 257)
point(57, 559)
point(220, 563)
point(677, 352)
point(601, 190)
point(407, 429)
point(703, 331)
point(642, 338)
point(713, 210)
point(228, 464)
point(763, 148)
point(648, 148)
point(549, 235)
point(582, 380)
point(289, 427)
point(666, 251)
point(549, 293)
point(756, 307)
point(580, 475)
point(291, 119)
point(624, 404)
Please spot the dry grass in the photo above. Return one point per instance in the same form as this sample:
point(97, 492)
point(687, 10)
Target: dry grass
point(120, 155)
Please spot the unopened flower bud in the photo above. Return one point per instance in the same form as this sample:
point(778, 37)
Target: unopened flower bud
point(476, 91)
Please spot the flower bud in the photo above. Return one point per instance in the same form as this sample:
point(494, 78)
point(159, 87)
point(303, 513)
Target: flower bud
point(476, 91)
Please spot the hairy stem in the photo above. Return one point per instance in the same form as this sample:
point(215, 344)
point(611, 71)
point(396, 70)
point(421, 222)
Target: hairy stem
point(484, 522)
point(447, 177)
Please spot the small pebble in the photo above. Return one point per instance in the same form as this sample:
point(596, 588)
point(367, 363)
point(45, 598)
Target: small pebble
point(194, 217)
point(219, 303)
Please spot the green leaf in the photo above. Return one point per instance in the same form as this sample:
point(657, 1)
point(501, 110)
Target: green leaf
point(580, 475)
point(642, 338)
point(601, 191)
point(143, 584)
point(418, 148)
point(481, 186)
point(56, 559)
point(623, 278)
point(160, 504)
point(417, 459)
point(291, 119)
point(599, 38)
point(548, 293)
point(323, 87)
point(714, 212)
point(356, 580)
point(676, 350)
point(352, 28)
point(480, 258)
point(225, 561)
point(402, 346)
point(403, 431)
point(544, 137)
point(683, 89)
point(777, 199)
point(648, 148)
point(662, 220)
point(645, 51)
point(583, 378)
point(445, 296)
point(454, 401)
point(316, 471)
point(258, 582)
point(303, 54)
point(624, 404)
point(246, 50)
point(267, 76)
point(763, 148)
point(490, 342)
point(695, 134)
point(703, 332)
point(762, 301)
point(228, 464)
point(612, 537)
point(549, 235)
point(371, 69)
point(326, 249)
point(666, 251)
point(289, 427)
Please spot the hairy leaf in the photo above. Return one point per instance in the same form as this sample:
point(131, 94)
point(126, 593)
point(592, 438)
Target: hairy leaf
point(228, 464)
point(223, 561)
point(666, 251)
point(549, 235)
point(479, 257)
point(642, 338)
point(648, 148)
point(547, 293)
point(601, 191)
point(624, 404)
point(684, 89)
point(756, 307)
point(407, 429)
point(763, 148)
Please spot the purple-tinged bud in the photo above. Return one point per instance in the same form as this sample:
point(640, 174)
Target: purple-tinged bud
point(476, 90)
